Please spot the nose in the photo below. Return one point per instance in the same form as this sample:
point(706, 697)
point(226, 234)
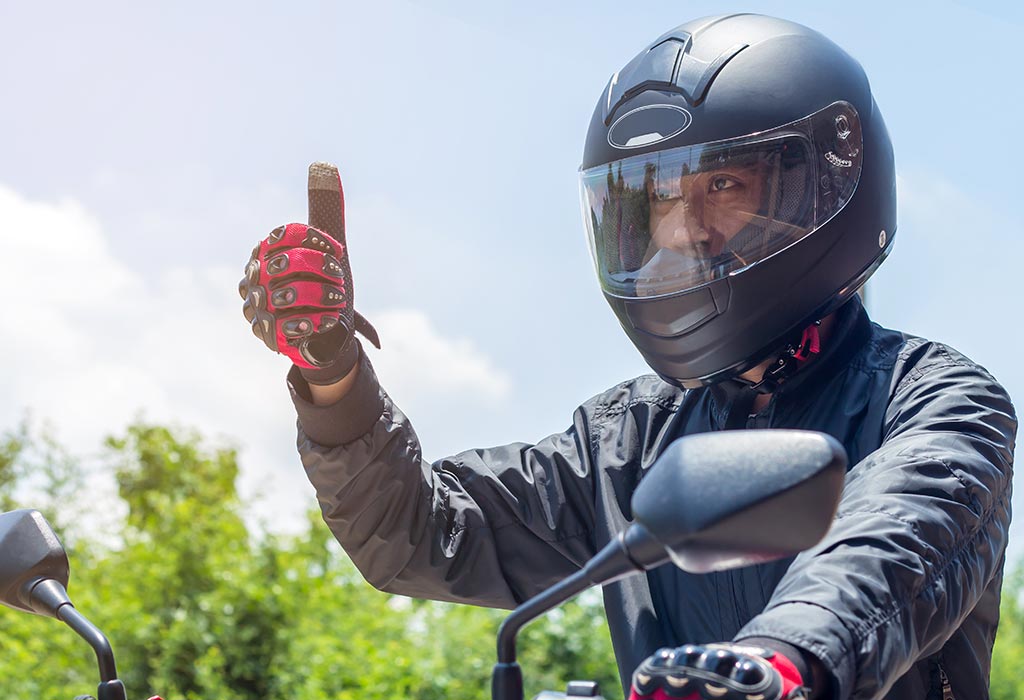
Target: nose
point(686, 224)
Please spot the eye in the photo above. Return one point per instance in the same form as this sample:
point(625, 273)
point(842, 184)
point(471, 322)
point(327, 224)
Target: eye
point(722, 182)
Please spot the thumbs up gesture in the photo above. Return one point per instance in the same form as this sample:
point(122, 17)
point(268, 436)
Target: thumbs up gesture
point(297, 288)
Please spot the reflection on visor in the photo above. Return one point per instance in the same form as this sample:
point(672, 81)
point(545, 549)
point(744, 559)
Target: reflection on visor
point(671, 220)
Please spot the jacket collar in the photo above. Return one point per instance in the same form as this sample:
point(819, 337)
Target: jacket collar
point(731, 400)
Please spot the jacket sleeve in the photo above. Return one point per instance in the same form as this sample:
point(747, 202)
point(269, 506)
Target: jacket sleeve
point(920, 532)
point(488, 527)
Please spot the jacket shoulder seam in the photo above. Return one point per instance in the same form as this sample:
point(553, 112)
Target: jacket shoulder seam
point(915, 374)
point(612, 409)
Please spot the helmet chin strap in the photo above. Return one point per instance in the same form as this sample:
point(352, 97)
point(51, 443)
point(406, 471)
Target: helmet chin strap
point(794, 355)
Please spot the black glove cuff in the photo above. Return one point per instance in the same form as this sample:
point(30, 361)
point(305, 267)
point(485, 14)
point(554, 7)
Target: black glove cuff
point(337, 370)
point(794, 654)
point(345, 420)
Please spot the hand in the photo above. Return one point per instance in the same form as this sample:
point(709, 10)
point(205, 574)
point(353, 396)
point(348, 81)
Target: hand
point(726, 671)
point(298, 287)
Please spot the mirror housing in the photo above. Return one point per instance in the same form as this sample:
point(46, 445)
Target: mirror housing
point(33, 562)
point(735, 498)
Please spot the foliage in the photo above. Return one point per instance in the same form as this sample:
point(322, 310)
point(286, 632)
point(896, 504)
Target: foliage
point(1007, 681)
point(38, 465)
point(10, 451)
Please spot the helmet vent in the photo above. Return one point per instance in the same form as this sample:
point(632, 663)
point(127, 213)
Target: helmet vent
point(654, 69)
point(668, 66)
point(648, 125)
point(695, 76)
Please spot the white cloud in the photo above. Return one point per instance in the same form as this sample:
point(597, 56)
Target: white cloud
point(419, 360)
point(952, 267)
point(89, 345)
point(57, 255)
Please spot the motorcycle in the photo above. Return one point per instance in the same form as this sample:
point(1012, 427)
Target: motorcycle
point(710, 502)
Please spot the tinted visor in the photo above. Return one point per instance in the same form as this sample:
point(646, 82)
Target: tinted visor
point(668, 221)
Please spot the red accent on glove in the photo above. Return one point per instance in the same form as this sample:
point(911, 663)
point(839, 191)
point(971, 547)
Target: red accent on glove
point(304, 294)
point(791, 679)
point(296, 268)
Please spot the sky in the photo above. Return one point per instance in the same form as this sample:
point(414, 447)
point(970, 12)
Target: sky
point(146, 148)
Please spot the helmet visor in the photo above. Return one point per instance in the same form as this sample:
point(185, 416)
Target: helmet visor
point(667, 221)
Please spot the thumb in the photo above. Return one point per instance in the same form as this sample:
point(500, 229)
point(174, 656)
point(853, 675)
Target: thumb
point(327, 201)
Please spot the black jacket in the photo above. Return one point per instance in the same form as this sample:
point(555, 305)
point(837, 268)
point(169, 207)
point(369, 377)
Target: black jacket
point(903, 590)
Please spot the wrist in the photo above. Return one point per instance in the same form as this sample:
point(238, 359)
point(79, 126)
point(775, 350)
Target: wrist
point(338, 370)
point(331, 422)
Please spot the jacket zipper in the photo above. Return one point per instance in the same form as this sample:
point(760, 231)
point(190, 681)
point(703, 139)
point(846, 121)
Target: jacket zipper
point(947, 689)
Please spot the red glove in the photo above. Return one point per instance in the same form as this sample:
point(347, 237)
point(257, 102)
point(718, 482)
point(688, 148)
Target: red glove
point(719, 671)
point(298, 287)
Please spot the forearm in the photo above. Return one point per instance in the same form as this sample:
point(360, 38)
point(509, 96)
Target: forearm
point(478, 527)
point(400, 526)
point(917, 542)
point(379, 499)
point(469, 528)
point(869, 608)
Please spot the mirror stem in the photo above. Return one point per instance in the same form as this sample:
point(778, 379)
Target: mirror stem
point(88, 631)
point(534, 608)
point(633, 550)
point(507, 678)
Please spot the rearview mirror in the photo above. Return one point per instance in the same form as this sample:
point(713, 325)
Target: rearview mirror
point(741, 497)
point(31, 554)
point(710, 502)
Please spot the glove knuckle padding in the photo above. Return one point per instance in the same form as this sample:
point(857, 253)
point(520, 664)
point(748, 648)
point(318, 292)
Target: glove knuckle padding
point(720, 671)
point(294, 288)
point(303, 294)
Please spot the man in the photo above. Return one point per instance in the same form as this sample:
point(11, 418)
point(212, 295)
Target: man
point(738, 188)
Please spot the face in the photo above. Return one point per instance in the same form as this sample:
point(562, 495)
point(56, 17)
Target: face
point(710, 209)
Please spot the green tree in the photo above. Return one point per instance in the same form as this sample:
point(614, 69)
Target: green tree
point(193, 610)
point(11, 445)
point(1007, 680)
point(183, 598)
point(36, 473)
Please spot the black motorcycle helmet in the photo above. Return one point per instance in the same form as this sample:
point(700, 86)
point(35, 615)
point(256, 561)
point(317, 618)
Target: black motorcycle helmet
point(738, 185)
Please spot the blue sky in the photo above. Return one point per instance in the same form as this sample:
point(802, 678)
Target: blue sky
point(148, 148)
